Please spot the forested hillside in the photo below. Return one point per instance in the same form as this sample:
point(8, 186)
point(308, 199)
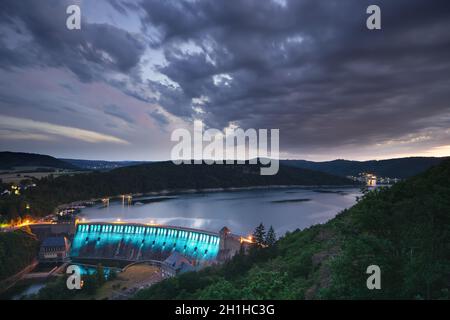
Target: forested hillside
point(10, 160)
point(393, 168)
point(159, 176)
point(17, 250)
point(405, 230)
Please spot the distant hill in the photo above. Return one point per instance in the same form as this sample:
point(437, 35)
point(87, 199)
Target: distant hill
point(166, 175)
point(160, 176)
point(10, 160)
point(101, 164)
point(157, 177)
point(393, 168)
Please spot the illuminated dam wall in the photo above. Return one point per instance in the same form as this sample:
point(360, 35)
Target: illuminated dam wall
point(135, 242)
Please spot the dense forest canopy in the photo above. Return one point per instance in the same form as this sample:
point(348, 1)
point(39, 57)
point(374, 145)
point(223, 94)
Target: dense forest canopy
point(17, 250)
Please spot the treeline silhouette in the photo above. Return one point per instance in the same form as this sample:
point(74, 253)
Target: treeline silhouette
point(393, 168)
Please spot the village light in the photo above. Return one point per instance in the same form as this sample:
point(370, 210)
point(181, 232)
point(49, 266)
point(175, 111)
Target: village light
point(248, 239)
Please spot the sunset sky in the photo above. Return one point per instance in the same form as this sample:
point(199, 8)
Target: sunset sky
point(137, 70)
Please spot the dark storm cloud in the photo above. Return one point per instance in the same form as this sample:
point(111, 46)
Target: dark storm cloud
point(89, 53)
point(310, 68)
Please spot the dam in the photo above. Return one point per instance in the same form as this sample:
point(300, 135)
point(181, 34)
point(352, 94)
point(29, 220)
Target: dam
point(139, 242)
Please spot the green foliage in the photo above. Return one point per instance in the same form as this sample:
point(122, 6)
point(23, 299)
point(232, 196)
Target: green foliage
point(10, 207)
point(259, 235)
point(91, 282)
point(220, 290)
point(100, 275)
point(112, 275)
point(55, 290)
point(271, 237)
point(406, 231)
point(18, 249)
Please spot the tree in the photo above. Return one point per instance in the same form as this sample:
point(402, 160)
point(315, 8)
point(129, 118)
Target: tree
point(271, 237)
point(112, 275)
point(220, 290)
point(259, 235)
point(90, 283)
point(100, 275)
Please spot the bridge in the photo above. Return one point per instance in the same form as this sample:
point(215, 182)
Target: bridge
point(136, 242)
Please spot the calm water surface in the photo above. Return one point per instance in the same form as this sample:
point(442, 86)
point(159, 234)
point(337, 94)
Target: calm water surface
point(241, 211)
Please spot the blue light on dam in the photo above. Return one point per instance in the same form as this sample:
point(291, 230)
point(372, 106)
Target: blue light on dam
point(134, 242)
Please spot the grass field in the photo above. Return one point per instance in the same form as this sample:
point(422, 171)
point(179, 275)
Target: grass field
point(22, 173)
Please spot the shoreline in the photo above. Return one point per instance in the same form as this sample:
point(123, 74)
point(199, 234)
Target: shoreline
point(204, 190)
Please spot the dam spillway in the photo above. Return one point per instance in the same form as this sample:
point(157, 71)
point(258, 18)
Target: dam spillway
point(136, 242)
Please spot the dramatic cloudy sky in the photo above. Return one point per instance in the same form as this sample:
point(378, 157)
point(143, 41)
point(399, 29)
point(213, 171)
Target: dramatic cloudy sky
point(137, 70)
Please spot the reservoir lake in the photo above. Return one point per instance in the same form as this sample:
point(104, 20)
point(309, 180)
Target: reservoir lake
point(286, 209)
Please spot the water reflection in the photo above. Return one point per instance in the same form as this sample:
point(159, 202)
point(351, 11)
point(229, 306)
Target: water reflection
point(241, 211)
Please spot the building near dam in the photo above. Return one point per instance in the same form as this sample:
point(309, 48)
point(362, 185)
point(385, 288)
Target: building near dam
point(54, 249)
point(131, 242)
point(45, 230)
